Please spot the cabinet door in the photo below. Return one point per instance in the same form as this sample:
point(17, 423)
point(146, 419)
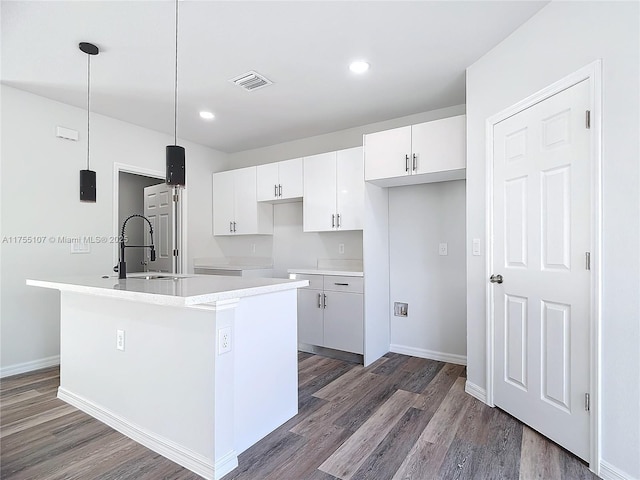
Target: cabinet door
point(267, 182)
point(310, 323)
point(440, 145)
point(344, 322)
point(291, 178)
point(385, 153)
point(223, 202)
point(319, 203)
point(246, 204)
point(350, 189)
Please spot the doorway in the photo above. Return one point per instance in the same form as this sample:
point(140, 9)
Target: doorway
point(543, 266)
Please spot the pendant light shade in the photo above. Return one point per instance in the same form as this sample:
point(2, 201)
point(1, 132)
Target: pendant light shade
point(176, 173)
point(88, 176)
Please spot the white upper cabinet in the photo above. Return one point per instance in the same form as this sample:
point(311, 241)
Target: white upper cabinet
point(236, 210)
point(333, 191)
point(280, 181)
point(428, 152)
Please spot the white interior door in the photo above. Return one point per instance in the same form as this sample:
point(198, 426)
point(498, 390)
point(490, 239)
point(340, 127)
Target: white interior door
point(541, 234)
point(159, 209)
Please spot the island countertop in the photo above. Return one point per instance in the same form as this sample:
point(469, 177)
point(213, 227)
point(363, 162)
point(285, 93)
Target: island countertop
point(175, 290)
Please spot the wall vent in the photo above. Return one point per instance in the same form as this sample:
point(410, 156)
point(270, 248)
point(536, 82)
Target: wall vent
point(251, 81)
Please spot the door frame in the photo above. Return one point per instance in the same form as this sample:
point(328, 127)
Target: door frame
point(182, 209)
point(592, 72)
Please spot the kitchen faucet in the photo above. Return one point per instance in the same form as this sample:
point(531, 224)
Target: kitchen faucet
point(121, 268)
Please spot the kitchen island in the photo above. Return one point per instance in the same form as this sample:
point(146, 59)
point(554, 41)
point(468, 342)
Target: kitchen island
point(197, 368)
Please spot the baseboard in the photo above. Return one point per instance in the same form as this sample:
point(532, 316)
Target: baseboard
point(226, 464)
point(475, 391)
point(171, 450)
point(430, 354)
point(609, 472)
point(25, 367)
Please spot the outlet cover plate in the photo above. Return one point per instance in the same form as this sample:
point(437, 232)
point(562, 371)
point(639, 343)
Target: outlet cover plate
point(443, 249)
point(224, 340)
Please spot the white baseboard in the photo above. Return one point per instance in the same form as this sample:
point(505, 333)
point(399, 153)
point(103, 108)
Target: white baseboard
point(226, 464)
point(430, 354)
point(475, 391)
point(609, 472)
point(171, 450)
point(25, 367)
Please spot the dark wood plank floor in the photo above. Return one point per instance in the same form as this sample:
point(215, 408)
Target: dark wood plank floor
point(402, 418)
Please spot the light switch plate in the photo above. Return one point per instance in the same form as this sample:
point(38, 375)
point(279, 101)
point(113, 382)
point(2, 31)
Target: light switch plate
point(475, 249)
point(341, 248)
point(443, 249)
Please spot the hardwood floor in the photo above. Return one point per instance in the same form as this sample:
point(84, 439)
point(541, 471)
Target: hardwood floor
point(402, 418)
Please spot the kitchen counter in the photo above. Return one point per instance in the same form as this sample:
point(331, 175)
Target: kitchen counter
point(326, 271)
point(183, 365)
point(178, 291)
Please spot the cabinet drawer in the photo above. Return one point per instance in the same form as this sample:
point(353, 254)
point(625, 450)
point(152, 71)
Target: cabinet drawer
point(315, 281)
point(337, 283)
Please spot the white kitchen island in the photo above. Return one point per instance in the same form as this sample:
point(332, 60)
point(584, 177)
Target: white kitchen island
point(146, 356)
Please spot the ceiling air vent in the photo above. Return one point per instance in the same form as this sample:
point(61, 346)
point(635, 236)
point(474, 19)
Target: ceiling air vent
point(251, 81)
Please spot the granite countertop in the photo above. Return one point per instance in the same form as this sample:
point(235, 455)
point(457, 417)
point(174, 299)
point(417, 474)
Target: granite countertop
point(177, 290)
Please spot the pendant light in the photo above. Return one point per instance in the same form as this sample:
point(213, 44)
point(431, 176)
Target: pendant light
point(175, 153)
point(88, 176)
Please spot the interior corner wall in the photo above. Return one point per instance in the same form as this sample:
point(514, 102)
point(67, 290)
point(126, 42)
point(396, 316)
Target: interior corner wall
point(40, 199)
point(560, 39)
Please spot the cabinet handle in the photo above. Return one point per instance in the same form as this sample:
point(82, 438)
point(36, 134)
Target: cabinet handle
point(275, 190)
point(279, 190)
point(234, 227)
point(231, 227)
point(338, 220)
point(319, 300)
point(324, 304)
point(342, 284)
point(333, 220)
point(406, 163)
point(415, 162)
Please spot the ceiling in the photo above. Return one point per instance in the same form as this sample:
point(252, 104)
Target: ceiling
point(418, 51)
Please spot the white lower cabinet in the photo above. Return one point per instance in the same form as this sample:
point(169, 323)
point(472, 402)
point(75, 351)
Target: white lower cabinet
point(331, 312)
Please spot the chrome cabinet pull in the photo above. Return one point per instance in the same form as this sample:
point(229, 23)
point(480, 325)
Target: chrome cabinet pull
point(406, 163)
point(338, 218)
point(333, 221)
point(342, 284)
point(231, 227)
point(275, 190)
point(279, 190)
point(234, 227)
point(325, 301)
point(415, 162)
point(319, 300)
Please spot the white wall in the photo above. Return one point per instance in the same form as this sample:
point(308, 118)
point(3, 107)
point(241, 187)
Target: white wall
point(420, 218)
point(560, 39)
point(40, 197)
point(130, 202)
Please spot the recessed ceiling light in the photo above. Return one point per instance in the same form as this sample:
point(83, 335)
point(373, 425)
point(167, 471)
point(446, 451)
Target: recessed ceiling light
point(207, 115)
point(359, 66)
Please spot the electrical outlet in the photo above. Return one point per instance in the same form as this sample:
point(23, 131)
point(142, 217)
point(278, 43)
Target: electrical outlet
point(341, 248)
point(443, 249)
point(400, 309)
point(224, 340)
point(120, 340)
point(476, 247)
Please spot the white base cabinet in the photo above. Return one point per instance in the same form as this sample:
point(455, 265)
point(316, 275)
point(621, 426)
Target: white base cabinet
point(331, 312)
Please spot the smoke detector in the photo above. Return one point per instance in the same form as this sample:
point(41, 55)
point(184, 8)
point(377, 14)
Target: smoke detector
point(251, 81)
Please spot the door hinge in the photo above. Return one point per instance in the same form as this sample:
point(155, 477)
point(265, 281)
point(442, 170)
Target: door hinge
point(175, 252)
point(587, 119)
point(587, 402)
point(587, 260)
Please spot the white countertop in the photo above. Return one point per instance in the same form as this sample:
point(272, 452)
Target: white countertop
point(325, 271)
point(233, 263)
point(232, 267)
point(187, 291)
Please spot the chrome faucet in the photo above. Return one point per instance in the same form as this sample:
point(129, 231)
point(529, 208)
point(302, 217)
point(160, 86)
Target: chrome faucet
point(121, 268)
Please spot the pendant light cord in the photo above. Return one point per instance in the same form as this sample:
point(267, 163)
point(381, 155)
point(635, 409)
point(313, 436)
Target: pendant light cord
point(88, 103)
point(175, 94)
